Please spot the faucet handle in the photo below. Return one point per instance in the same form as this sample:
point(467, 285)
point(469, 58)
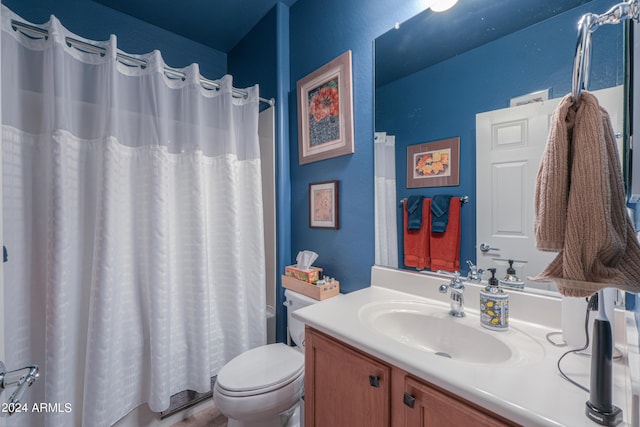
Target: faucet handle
point(456, 280)
point(475, 273)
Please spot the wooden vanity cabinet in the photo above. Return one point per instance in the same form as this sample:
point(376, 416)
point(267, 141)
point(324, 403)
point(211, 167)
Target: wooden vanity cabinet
point(425, 405)
point(345, 387)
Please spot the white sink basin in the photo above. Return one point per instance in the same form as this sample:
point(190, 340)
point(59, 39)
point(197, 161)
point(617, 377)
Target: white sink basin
point(430, 327)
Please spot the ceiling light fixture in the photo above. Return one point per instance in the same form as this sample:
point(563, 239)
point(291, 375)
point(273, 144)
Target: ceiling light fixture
point(442, 5)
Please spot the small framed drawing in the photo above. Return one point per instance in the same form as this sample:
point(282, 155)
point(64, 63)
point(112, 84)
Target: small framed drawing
point(434, 164)
point(323, 205)
point(325, 111)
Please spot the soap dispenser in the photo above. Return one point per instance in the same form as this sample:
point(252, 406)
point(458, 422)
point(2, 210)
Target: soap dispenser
point(494, 305)
point(511, 279)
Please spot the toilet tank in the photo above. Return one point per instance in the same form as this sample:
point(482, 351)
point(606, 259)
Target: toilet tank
point(295, 301)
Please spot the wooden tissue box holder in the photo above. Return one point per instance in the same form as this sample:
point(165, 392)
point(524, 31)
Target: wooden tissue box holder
point(319, 292)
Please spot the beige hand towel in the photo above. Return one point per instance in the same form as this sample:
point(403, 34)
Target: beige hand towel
point(580, 207)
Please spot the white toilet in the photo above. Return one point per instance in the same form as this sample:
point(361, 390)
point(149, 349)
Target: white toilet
point(264, 386)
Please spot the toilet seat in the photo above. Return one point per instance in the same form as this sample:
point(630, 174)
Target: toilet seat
point(260, 407)
point(260, 370)
point(264, 386)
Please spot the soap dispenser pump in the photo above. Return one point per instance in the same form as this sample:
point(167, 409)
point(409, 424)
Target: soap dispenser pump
point(494, 305)
point(511, 279)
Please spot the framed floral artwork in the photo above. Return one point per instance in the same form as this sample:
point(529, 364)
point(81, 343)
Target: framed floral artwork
point(434, 164)
point(323, 205)
point(325, 111)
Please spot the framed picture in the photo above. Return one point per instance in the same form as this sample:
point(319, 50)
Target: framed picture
point(434, 164)
point(325, 111)
point(323, 205)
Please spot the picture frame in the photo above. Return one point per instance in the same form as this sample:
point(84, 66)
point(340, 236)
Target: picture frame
point(325, 111)
point(323, 205)
point(434, 164)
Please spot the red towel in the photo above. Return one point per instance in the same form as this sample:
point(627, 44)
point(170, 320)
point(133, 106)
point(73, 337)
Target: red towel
point(416, 242)
point(445, 247)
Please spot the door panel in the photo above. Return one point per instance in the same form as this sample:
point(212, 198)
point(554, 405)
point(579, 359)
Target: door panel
point(344, 387)
point(428, 407)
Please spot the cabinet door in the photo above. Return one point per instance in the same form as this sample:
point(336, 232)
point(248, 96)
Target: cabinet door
point(342, 386)
point(426, 406)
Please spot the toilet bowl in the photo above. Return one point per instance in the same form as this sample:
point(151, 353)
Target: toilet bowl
point(264, 386)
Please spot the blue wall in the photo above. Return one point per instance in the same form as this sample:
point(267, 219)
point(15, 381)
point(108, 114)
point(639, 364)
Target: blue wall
point(442, 101)
point(254, 59)
point(96, 22)
point(346, 253)
point(319, 32)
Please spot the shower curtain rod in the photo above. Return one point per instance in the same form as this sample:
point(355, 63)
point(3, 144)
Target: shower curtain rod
point(588, 24)
point(127, 60)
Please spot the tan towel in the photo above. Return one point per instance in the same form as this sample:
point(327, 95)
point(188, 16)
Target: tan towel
point(580, 204)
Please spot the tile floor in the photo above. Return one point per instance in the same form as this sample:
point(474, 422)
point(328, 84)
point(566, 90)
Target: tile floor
point(207, 418)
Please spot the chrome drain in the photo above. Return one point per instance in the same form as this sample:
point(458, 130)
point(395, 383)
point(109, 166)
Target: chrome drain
point(440, 353)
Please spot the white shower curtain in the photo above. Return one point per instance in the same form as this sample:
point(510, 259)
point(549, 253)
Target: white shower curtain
point(386, 232)
point(133, 223)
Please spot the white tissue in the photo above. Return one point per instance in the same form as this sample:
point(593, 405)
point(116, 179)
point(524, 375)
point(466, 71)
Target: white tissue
point(305, 259)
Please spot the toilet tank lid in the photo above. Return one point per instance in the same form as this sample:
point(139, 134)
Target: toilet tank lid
point(261, 368)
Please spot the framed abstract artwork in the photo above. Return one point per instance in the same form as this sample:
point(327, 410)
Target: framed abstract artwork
point(323, 205)
point(325, 111)
point(434, 164)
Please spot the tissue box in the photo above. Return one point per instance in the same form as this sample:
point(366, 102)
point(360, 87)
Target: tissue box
point(320, 292)
point(310, 276)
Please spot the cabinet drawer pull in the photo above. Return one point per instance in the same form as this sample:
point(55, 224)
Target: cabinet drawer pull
point(374, 380)
point(409, 400)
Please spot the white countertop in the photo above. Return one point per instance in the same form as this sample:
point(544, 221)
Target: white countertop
point(531, 393)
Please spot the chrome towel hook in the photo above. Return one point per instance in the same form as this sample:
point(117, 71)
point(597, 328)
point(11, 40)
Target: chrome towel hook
point(582, 58)
point(588, 24)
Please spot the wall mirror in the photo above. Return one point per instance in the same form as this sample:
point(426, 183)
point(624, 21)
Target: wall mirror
point(456, 75)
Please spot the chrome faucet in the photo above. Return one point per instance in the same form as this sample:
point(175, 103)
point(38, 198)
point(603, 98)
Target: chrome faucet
point(475, 273)
point(456, 287)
